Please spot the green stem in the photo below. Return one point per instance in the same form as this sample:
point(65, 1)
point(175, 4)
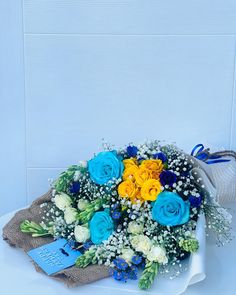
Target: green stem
point(36, 230)
point(148, 275)
point(86, 215)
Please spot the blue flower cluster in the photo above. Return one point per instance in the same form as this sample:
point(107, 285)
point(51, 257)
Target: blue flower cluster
point(120, 263)
point(123, 271)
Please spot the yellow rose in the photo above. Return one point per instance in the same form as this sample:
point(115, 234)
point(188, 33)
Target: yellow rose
point(141, 175)
point(153, 165)
point(127, 189)
point(129, 172)
point(155, 174)
point(150, 190)
point(130, 162)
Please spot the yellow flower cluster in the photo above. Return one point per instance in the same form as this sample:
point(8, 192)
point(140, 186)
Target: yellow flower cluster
point(141, 182)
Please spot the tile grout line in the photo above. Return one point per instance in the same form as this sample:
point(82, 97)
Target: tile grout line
point(233, 103)
point(130, 35)
point(25, 112)
point(46, 168)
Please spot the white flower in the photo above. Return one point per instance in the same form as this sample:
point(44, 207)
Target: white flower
point(127, 254)
point(70, 215)
point(83, 164)
point(135, 228)
point(141, 243)
point(82, 234)
point(82, 204)
point(77, 175)
point(157, 254)
point(62, 201)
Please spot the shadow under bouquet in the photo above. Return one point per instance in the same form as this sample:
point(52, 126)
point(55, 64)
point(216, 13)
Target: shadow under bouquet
point(134, 210)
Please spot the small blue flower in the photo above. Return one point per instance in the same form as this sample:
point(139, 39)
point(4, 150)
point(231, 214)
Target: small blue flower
point(120, 263)
point(125, 277)
point(120, 275)
point(134, 268)
point(167, 177)
point(195, 201)
point(136, 259)
point(75, 187)
point(116, 215)
point(117, 275)
point(161, 156)
point(132, 151)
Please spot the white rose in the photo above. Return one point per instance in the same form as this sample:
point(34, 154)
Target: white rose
point(135, 228)
point(82, 234)
point(134, 241)
point(127, 254)
point(82, 204)
point(70, 215)
point(141, 243)
point(62, 201)
point(83, 164)
point(157, 254)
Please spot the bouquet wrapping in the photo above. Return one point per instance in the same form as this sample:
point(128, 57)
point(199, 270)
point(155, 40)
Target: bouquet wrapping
point(131, 213)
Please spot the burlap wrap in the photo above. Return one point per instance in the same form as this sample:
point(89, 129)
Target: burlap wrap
point(71, 276)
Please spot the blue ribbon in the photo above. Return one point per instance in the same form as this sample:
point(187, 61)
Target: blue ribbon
point(204, 155)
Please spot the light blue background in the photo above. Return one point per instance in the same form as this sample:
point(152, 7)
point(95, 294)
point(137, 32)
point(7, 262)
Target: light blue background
point(74, 72)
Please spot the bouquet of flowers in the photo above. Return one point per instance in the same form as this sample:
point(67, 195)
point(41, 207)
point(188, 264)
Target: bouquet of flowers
point(133, 210)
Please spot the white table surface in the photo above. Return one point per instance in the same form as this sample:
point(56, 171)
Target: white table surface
point(18, 276)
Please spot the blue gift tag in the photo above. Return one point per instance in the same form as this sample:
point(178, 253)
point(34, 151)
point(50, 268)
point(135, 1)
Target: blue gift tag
point(55, 256)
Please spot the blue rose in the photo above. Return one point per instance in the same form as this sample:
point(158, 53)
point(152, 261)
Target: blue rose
point(132, 151)
point(75, 187)
point(170, 209)
point(105, 166)
point(195, 201)
point(167, 177)
point(161, 156)
point(101, 227)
